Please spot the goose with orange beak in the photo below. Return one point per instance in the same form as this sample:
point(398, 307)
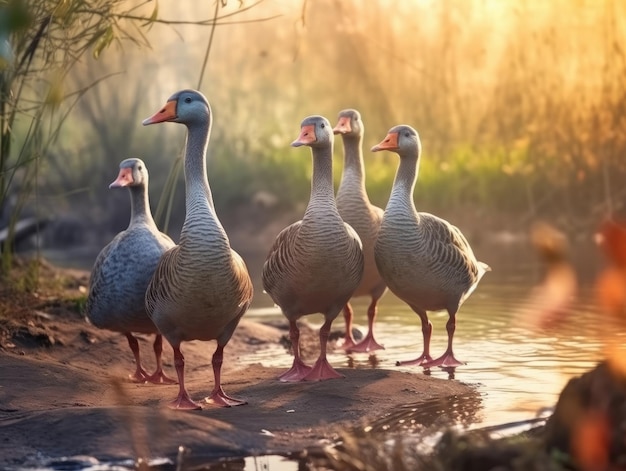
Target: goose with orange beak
point(355, 208)
point(425, 260)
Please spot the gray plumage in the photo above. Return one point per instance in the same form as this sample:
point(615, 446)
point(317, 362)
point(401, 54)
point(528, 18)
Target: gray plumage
point(201, 287)
point(315, 264)
point(123, 268)
point(355, 209)
point(425, 260)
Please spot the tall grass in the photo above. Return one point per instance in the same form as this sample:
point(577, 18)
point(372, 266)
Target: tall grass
point(42, 45)
point(519, 105)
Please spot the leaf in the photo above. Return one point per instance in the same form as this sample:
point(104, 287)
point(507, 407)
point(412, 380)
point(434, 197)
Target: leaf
point(612, 238)
point(103, 41)
point(611, 291)
point(550, 302)
point(590, 441)
point(155, 12)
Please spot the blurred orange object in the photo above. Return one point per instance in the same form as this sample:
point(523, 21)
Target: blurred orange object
point(590, 441)
point(611, 283)
point(550, 302)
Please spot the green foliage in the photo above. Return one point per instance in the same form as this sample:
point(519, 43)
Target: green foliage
point(42, 42)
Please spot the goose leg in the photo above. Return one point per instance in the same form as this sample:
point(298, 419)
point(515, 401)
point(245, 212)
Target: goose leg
point(348, 341)
point(427, 329)
point(140, 375)
point(298, 370)
point(369, 343)
point(182, 401)
point(159, 377)
point(218, 396)
point(322, 369)
point(447, 360)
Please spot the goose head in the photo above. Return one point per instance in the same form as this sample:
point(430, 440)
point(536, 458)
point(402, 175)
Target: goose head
point(187, 107)
point(133, 172)
point(401, 139)
point(315, 131)
point(349, 123)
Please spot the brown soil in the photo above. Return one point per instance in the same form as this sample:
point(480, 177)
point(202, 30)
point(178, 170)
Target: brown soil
point(64, 392)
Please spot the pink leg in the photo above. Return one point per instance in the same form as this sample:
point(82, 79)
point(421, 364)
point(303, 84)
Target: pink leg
point(298, 370)
point(218, 397)
point(182, 401)
point(322, 369)
point(348, 340)
point(140, 374)
point(447, 360)
point(427, 329)
point(369, 343)
point(159, 377)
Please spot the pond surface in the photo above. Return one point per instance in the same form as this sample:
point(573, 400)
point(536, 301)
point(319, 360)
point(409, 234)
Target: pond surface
point(517, 370)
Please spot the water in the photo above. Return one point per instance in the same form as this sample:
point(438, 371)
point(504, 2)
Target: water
point(517, 370)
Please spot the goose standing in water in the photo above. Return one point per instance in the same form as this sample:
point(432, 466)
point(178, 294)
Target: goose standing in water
point(201, 287)
point(355, 208)
point(316, 263)
point(425, 260)
point(123, 269)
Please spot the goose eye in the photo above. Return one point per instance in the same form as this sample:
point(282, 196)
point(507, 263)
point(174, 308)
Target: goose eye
point(140, 168)
point(187, 100)
point(322, 125)
point(406, 134)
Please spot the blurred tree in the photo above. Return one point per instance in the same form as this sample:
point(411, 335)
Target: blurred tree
point(41, 41)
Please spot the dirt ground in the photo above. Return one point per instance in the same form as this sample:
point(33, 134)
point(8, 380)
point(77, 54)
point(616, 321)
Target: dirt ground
point(64, 390)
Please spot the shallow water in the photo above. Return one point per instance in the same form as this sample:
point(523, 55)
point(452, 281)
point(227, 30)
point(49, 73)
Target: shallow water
point(516, 369)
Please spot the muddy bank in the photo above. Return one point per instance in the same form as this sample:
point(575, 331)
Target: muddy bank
point(64, 392)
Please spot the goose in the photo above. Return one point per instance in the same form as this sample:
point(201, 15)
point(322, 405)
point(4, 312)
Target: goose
point(355, 208)
point(123, 269)
point(315, 264)
point(425, 260)
point(201, 287)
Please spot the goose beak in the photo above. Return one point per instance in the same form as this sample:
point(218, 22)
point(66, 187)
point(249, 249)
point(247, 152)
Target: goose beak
point(388, 143)
point(306, 137)
point(125, 178)
point(167, 113)
point(343, 126)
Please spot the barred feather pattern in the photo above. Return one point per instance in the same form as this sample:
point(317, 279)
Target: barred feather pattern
point(201, 287)
point(123, 269)
point(315, 264)
point(355, 209)
point(425, 260)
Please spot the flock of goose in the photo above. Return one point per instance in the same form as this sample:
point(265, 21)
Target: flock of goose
point(342, 247)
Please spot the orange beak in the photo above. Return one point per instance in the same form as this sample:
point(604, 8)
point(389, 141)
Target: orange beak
point(167, 113)
point(124, 178)
point(388, 143)
point(307, 136)
point(343, 126)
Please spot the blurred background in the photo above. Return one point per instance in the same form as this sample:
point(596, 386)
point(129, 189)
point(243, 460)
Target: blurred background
point(519, 105)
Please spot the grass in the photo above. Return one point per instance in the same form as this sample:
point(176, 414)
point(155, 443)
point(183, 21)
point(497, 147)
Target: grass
point(511, 118)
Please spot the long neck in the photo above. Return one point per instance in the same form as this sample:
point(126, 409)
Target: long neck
point(140, 206)
point(404, 183)
point(354, 169)
point(322, 191)
point(197, 184)
point(202, 228)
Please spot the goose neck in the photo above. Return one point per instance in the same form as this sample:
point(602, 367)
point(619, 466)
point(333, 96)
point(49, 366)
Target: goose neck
point(140, 206)
point(404, 182)
point(322, 178)
point(196, 181)
point(354, 168)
